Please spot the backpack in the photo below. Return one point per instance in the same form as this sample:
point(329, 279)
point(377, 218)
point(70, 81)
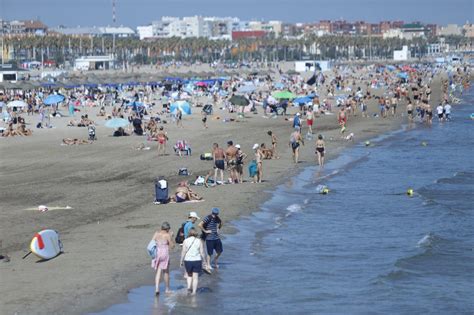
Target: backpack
point(180, 234)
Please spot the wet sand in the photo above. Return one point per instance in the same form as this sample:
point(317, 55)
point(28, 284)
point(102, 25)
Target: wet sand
point(109, 186)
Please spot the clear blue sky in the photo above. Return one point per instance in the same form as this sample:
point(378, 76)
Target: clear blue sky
point(142, 12)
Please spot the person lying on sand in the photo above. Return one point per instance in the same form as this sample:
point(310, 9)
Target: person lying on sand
point(184, 193)
point(21, 130)
point(10, 132)
point(70, 141)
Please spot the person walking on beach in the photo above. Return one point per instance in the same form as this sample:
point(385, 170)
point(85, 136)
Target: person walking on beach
point(231, 158)
point(162, 137)
point(320, 150)
point(309, 119)
point(218, 155)
point(204, 119)
point(295, 141)
point(259, 162)
point(210, 227)
point(161, 263)
point(179, 118)
point(274, 144)
point(192, 256)
point(410, 110)
point(342, 119)
point(239, 168)
point(297, 121)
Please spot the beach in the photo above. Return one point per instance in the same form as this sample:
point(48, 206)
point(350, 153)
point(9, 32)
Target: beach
point(109, 188)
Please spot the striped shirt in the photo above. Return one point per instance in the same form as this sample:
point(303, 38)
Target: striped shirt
point(212, 223)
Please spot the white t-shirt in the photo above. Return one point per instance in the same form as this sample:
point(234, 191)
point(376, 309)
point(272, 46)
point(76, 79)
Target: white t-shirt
point(447, 108)
point(439, 109)
point(192, 248)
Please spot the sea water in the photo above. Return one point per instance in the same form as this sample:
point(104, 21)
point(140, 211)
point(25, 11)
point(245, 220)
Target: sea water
point(364, 248)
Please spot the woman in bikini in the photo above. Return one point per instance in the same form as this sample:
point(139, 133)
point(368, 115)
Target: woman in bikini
point(162, 138)
point(320, 148)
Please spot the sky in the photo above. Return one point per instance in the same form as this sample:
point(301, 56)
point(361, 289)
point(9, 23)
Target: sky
point(142, 12)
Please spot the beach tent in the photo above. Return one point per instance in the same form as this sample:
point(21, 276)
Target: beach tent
point(181, 105)
point(279, 85)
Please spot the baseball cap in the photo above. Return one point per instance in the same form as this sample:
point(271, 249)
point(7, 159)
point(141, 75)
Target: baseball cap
point(215, 210)
point(193, 214)
point(237, 146)
point(255, 146)
point(298, 114)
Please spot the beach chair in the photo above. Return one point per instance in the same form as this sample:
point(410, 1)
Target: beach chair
point(182, 146)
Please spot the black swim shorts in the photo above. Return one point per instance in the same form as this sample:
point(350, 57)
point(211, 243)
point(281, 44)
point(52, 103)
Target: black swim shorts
point(219, 165)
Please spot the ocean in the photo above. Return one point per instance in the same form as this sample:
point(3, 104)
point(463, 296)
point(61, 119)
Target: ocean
point(364, 248)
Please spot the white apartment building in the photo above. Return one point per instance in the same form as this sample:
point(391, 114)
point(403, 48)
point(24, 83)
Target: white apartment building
point(450, 29)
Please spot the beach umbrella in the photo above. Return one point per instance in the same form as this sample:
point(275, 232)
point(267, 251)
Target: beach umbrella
point(201, 84)
point(279, 85)
point(247, 88)
point(181, 105)
point(17, 104)
point(116, 123)
point(286, 95)
point(302, 100)
point(239, 100)
point(53, 99)
point(403, 75)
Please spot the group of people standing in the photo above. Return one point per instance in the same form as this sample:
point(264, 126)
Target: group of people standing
point(196, 252)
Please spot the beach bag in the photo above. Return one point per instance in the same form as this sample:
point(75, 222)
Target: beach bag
point(183, 171)
point(152, 249)
point(206, 156)
point(180, 234)
point(161, 191)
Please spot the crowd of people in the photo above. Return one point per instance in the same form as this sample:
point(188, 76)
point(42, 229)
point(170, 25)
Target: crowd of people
point(345, 93)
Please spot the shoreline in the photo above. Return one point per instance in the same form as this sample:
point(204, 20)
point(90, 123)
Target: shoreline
point(133, 223)
point(233, 231)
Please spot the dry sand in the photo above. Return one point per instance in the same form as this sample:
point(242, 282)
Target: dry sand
point(109, 185)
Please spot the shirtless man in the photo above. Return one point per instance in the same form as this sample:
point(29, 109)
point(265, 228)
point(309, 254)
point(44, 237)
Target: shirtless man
point(218, 156)
point(231, 158)
point(410, 110)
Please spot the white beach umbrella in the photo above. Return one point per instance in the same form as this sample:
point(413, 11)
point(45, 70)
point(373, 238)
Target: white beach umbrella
point(17, 104)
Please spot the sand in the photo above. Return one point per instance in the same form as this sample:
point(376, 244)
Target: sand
point(109, 186)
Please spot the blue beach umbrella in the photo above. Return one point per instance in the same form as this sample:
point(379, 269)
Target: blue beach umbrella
point(183, 106)
point(302, 100)
point(116, 123)
point(53, 99)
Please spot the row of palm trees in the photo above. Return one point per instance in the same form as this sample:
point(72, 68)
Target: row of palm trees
point(66, 48)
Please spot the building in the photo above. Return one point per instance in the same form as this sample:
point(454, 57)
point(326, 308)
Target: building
point(236, 35)
point(107, 31)
point(392, 33)
point(9, 73)
point(401, 55)
point(450, 30)
point(27, 27)
point(468, 30)
point(414, 30)
point(94, 63)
